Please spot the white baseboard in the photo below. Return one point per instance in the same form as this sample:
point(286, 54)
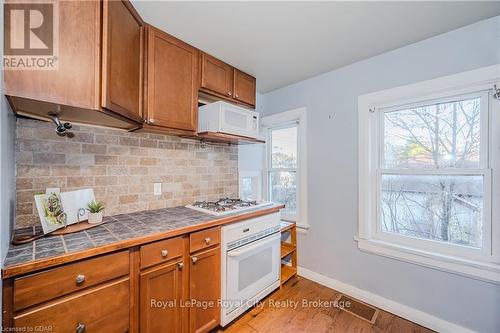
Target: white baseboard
point(404, 311)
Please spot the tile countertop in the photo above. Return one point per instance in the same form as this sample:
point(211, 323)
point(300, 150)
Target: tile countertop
point(118, 232)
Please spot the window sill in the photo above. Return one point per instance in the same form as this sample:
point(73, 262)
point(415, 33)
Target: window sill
point(488, 272)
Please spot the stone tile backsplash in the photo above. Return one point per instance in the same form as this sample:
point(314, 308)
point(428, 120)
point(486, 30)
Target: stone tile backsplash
point(120, 166)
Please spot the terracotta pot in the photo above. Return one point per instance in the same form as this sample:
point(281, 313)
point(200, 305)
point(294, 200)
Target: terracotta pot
point(95, 218)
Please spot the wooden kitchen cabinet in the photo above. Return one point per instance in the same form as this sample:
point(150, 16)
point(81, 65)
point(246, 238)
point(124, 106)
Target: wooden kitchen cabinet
point(47, 285)
point(161, 293)
point(73, 88)
point(204, 286)
point(172, 83)
point(219, 80)
point(122, 59)
point(216, 76)
point(244, 87)
point(103, 309)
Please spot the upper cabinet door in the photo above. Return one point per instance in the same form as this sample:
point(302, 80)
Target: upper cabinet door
point(244, 88)
point(216, 75)
point(122, 59)
point(172, 82)
point(75, 80)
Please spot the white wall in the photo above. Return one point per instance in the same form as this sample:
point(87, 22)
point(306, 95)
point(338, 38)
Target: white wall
point(328, 247)
point(7, 167)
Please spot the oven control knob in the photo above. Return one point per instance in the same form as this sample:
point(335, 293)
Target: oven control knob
point(194, 259)
point(207, 240)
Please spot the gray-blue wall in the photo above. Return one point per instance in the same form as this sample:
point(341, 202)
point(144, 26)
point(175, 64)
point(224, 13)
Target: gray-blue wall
point(328, 247)
point(7, 166)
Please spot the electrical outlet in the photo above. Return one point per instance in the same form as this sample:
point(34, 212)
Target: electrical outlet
point(157, 189)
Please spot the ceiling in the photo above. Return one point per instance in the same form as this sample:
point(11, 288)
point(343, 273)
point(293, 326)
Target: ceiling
point(284, 42)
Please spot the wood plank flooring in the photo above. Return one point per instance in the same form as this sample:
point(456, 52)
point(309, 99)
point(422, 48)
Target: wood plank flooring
point(268, 317)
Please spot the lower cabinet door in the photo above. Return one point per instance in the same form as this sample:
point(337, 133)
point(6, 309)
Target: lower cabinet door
point(99, 309)
point(161, 290)
point(204, 290)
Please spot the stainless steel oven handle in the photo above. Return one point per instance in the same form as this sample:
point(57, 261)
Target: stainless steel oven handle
point(252, 246)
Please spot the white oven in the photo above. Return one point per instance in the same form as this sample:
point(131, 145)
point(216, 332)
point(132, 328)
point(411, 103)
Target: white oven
point(227, 118)
point(250, 264)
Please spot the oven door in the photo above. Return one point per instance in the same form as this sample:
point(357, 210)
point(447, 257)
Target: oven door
point(252, 268)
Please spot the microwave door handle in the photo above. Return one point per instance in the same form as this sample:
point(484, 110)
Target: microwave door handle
point(253, 246)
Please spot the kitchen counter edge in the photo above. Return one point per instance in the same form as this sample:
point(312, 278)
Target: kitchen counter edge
point(33, 266)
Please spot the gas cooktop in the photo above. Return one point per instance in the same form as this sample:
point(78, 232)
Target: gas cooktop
point(226, 206)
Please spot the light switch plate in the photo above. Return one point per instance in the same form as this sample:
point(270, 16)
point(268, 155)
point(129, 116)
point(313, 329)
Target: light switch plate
point(157, 189)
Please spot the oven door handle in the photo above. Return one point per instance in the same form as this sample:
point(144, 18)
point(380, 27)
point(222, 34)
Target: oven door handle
point(259, 243)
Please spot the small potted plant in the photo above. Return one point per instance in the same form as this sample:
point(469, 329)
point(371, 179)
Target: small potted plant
point(95, 209)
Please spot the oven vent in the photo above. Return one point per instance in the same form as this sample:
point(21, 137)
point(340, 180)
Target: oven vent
point(252, 238)
point(357, 308)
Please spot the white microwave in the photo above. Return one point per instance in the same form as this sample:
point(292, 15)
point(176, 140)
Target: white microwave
point(227, 118)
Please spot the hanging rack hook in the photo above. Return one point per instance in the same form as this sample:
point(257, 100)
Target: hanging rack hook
point(61, 128)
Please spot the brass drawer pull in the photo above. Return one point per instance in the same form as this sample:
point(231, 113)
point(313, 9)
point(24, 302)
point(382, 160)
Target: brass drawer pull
point(164, 253)
point(194, 259)
point(207, 240)
point(80, 278)
point(80, 328)
point(180, 265)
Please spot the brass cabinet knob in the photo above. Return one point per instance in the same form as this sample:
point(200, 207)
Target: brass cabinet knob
point(180, 265)
point(80, 278)
point(236, 95)
point(207, 240)
point(229, 93)
point(80, 328)
point(164, 253)
point(151, 121)
point(194, 259)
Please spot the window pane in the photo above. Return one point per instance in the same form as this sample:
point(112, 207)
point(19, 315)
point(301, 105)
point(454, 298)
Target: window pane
point(284, 148)
point(283, 190)
point(250, 188)
point(434, 136)
point(441, 208)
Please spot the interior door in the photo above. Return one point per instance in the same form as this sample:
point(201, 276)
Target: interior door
point(204, 285)
point(160, 297)
point(252, 268)
point(172, 83)
point(244, 87)
point(122, 76)
point(216, 75)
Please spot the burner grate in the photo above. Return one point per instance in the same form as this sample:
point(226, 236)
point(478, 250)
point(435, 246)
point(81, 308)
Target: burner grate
point(224, 204)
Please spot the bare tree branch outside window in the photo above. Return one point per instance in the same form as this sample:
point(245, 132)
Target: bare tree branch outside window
point(445, 208)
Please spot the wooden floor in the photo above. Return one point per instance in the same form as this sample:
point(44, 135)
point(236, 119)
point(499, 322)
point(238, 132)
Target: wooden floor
point(268, 318)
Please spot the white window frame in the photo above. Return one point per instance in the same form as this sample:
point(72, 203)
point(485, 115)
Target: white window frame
point(482, 263)
point(295, 117)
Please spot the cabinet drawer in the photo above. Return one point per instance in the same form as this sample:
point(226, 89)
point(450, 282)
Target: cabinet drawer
point(100, 309)
point(161, 251)
point(205, 238)
point(46, 285)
